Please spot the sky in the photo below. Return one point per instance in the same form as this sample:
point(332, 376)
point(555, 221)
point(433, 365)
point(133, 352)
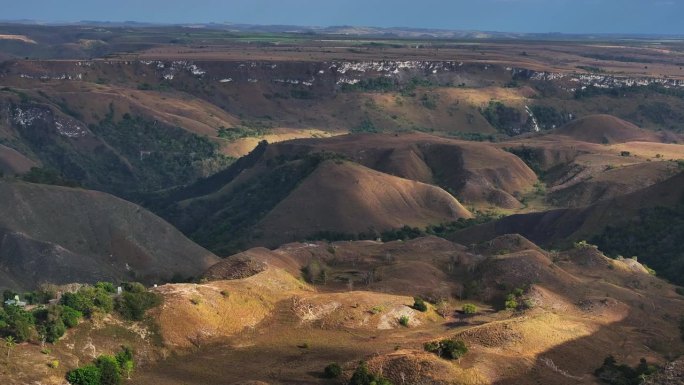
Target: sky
point(565, 16)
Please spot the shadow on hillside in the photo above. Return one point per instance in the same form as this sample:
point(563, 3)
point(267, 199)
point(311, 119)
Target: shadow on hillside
point(574, 362)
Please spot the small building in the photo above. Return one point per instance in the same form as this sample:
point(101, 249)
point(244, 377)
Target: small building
point(16, 302)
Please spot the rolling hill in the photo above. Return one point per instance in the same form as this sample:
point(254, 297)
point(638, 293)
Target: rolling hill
point(645, 223)
point(350, 184)
point(51, 234)
point(606, 129)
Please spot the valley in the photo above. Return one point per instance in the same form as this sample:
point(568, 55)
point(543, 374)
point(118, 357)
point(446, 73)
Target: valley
point(237, 207)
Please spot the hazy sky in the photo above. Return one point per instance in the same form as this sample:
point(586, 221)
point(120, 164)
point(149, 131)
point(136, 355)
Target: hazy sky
point(570, 16)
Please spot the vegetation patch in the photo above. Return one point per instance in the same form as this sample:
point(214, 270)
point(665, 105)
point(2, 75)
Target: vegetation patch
point(655, 237)
point(505, 119)
point(612, 373)
point(363, 376)
point(448, 349)
point(105, 370)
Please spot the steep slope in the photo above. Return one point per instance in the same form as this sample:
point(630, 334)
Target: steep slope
point(117, 152)
point(61, 235)
point(350, 198)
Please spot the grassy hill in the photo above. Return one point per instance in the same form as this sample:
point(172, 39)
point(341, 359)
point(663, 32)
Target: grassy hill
point(51, 234)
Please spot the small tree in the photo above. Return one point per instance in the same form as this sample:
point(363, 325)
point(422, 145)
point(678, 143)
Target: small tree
point(125, 360)
point(404, 320)
point(110, 372)
point(10, 343)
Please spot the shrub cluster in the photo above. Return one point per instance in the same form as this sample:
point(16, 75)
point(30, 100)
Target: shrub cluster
point(362, 376)
point(447, 348)
point(49, 322)
point(105, 370)
point(419, 304)
point(612, 373)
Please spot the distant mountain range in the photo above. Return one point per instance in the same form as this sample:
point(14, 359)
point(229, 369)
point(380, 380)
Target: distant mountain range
point(361, 31)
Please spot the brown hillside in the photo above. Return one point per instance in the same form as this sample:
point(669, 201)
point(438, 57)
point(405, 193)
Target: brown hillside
point(349, 198)
point(579, 307)
point(62, 235)
point(12, 162)
point(606, 129)
point(579, 303)
point(476, 173)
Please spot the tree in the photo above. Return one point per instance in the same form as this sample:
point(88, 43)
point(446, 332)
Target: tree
point(448, 349)
point(9, 344)
point(49, 323)
point(453, 350)
point(86, 375)
point(110, 372)
point(18, 323)
point(125, 360)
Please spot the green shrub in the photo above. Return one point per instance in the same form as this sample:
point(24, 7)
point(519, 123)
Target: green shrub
point(362, 376)
point(404, 320)
point(89, 300)
point(511, 303)
point(54, 364)
point(447, 348)
point(133, 305)
point(469, 308)
point(16, 322)
point(110, 372)
point(419, 304)
point(85, 375)
point(333, 370)
point(70, 316)
point(106, 286)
